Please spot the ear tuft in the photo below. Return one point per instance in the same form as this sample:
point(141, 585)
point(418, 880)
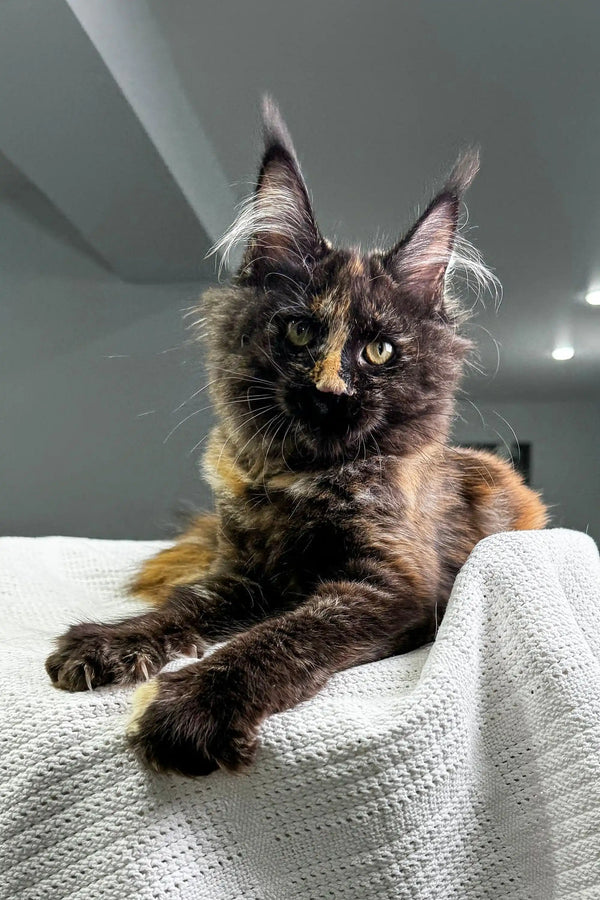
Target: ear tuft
point(462, 175)
point(420, 260)
point(276, 223)
point(275, 131)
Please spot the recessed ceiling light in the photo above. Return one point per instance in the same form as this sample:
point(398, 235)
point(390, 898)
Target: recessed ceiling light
point(563, 353)
point(593, 298)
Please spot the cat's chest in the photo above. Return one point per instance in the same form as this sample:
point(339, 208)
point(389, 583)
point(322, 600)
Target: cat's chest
point(304, 527)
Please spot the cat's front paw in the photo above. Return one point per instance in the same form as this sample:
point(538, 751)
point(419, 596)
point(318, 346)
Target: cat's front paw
point(192, 722)
point(90, 655)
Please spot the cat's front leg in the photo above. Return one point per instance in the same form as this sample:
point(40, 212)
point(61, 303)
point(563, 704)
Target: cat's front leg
point(207, 715)
point(91, 654)
point(194, 721)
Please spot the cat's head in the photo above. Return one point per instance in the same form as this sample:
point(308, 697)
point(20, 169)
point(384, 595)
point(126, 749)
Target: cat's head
point(321, 353)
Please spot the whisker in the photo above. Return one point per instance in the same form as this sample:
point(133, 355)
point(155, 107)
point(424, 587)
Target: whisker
point(254, 435)
point(179, 424)
point(195, 394)
point(514, 433)
point(244, 375)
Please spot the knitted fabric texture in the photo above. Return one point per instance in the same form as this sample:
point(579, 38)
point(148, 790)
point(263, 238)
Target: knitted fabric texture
point(467, 769)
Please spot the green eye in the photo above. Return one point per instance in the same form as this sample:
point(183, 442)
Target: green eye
point(378, 352)
point(300, 333)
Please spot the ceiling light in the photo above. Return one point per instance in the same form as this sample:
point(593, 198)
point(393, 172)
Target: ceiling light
point(563, 353)
point(593, 298)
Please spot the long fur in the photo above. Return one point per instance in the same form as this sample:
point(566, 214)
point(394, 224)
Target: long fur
point(342, 512)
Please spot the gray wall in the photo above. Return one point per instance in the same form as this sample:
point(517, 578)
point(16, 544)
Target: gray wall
point(91, 370)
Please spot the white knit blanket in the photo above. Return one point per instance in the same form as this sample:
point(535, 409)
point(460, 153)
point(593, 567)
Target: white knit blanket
point(464, 770)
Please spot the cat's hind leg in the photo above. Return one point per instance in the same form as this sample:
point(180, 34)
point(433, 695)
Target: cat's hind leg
point(183, 563)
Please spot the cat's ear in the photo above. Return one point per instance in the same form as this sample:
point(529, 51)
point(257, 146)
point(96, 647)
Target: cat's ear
point(418, 263)
point(278, 220)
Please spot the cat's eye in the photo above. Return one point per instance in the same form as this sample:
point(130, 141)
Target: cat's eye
point(300, 333)
point(378, 352)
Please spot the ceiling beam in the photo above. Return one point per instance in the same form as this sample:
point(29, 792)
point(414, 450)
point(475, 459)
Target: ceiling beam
point(92, 113)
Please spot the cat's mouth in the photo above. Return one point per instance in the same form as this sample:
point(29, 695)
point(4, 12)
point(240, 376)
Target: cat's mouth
point(325, 414)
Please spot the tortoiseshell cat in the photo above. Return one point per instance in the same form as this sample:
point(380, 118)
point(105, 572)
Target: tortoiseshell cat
point(343, 515)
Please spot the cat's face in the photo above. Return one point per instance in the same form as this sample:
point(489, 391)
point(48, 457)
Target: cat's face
point(322, 354)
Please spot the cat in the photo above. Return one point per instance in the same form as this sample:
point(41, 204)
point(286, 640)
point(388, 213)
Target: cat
point(343, 514)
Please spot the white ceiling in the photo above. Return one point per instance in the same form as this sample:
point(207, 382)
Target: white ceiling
point(379, 96)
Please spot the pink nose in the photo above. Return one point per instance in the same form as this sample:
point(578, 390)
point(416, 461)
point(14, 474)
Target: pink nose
point(332, 384)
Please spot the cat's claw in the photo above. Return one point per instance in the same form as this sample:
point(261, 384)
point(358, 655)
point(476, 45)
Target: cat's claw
point(88, 676)
point(91, 655)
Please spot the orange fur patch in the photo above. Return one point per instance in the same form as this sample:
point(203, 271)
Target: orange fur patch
point(326, 372)
point(532, 513)
point(407, 541)
point(221, 470)
point(498, 493)
point(184, 563)
point(356, 266)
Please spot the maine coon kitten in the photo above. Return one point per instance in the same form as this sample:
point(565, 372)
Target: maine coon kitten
point(342, 513)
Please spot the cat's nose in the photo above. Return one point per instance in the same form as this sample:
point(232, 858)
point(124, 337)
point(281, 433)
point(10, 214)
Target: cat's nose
point(332, 384)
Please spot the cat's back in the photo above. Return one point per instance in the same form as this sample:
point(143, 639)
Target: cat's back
point(431, 508)
point(493, 492)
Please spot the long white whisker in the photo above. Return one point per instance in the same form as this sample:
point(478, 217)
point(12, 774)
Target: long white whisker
point(195, 394)
point(179, 424)
point(514, 434)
